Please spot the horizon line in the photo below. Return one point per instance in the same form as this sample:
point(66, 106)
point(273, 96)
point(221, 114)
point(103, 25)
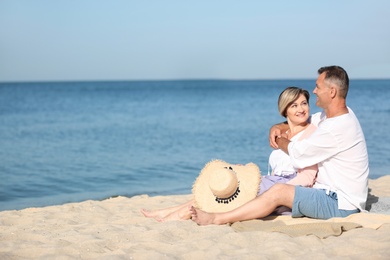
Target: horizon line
point(154, 80)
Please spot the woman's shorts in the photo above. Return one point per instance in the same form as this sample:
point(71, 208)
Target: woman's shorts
point(316, 203)
point(267, 181)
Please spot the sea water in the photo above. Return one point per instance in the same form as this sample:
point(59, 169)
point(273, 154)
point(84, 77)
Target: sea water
point(72, 141)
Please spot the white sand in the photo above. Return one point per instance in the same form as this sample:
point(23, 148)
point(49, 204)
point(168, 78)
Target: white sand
point(115, 229)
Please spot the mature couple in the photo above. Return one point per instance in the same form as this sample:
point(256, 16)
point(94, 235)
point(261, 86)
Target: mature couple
point(330, 152)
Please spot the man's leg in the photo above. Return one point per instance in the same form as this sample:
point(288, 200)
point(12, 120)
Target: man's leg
point(317, 203)
point(261, 206)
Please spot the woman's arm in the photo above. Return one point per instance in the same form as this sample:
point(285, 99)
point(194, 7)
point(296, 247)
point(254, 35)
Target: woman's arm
point(305, 177)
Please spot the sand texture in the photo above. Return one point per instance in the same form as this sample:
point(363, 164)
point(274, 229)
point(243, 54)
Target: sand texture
point(115, 229)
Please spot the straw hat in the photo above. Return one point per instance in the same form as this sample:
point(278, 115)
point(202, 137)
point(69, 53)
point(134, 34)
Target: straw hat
point(222, 186)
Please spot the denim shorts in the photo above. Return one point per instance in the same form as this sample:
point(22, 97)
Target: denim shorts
point(316, 203)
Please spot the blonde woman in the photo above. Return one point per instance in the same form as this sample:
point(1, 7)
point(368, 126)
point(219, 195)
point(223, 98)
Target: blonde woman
point(293, 104)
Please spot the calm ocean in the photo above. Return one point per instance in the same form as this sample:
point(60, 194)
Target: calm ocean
point(73, 141)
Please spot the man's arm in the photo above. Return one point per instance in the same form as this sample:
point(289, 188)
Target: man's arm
point(276, 131)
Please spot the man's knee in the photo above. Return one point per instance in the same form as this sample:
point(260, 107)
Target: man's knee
point(282, 194)
point(279, 187)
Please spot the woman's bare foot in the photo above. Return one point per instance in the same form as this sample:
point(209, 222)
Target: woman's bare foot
point(158, 214)
point(181, 214)
point(151, 214)
point(164, 213)
point(201, 217)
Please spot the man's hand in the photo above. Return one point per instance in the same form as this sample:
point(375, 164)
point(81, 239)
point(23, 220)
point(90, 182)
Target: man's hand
point(282, 143)
point(276, 131)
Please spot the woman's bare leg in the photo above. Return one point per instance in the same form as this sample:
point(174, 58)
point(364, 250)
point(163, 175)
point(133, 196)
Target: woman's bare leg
point(164, 213)
point(260, 207)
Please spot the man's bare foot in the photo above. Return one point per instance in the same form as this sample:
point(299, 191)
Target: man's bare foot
point(201, 217)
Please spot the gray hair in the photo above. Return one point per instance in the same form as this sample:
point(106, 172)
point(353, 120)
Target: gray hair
point(338, 76)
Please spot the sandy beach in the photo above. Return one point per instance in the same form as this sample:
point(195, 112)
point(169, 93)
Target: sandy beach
point(115, 229)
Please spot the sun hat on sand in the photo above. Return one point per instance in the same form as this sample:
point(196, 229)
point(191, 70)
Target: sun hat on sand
point(222, 186)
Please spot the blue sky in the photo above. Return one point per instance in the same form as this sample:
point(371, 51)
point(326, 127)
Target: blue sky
point(151, 40)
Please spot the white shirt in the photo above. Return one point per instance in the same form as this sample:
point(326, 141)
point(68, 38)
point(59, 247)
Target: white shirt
point(339, 148)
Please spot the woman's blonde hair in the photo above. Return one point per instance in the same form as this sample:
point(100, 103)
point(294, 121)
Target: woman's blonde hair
point(288, 96)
